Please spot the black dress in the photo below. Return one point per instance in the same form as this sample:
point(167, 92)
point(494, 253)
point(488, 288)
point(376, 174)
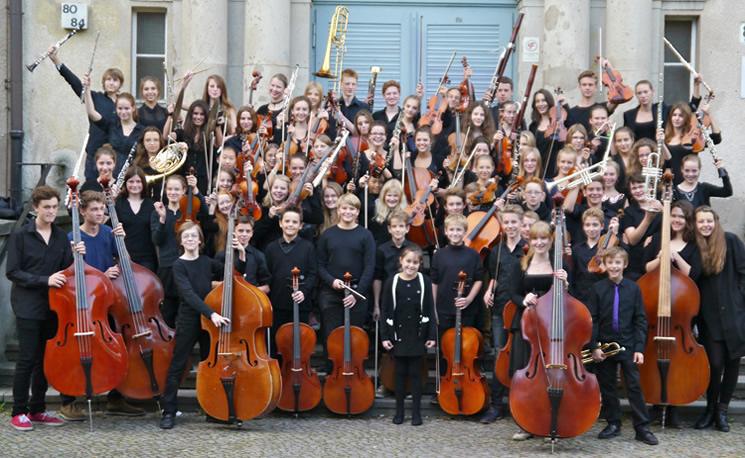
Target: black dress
point(411, 322)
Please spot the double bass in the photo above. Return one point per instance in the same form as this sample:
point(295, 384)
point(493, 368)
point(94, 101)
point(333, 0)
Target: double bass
point(463, 388)
point(138, 293)
point(671, 300)
point(348, 389)
point(296, 342)
point(85, 357)
point(553, 395)
point(238, 380)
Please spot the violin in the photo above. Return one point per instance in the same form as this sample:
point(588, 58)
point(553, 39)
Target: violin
point(483, 227)
point(296, 342)
point(545, 395)
point(378, 164)
point(417, 178)
point(618, 92)
point(422, 200)
point(189, 206)
point(138, 293)
point(504, 153)
point(238, 380)
point(463, 388)
point(671, 300)
point(355, 147)
point(85, 357)
point(693, 139)
point(455, 140)
point(485, 194)
point(348, 389)
point(249, 190)
point(266, 123)
point(557, 115)
point(466, 89)
point(320, 125)
point(435, 105)
point(608, 240)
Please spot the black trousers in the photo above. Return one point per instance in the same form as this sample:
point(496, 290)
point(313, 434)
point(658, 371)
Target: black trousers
point(188, 333)
point(723, 372)
point(332, 312)
point(446, 322)
point(170, 305)
point(607, 373)
point(32, 341)
point(408, 368)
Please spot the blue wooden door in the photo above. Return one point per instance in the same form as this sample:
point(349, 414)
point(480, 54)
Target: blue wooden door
point(388, 34)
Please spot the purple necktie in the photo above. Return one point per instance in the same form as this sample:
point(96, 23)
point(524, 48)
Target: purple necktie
point(615, 310)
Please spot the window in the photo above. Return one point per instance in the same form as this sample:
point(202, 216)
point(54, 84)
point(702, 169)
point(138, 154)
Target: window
point(148, 47)
point(681, 33)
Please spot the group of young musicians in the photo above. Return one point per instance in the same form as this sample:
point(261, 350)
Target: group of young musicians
point(367, 225)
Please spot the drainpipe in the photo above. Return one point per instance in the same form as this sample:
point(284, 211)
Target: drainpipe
point(16, 99)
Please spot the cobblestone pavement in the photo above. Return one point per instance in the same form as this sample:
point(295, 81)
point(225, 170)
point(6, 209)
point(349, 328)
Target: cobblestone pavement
point(323, 434)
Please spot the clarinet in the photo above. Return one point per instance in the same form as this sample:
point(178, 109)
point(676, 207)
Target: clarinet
point(90, 68)
point(123, 171)
point(290, 87)
point(709, 142)
point(36, 63)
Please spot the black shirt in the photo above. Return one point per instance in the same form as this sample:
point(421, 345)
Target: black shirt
point(503, 274)
point(254, 269)
point(121, 143)
point(193, 280)
point(581, 279)
point(645, 129)
point(346, 250)
point(351, 110)
point(632, 319)
point(31, 261)
point(689, 253)
point(281, 258)
point(104, 105)
point(447, 262)
point(156, 116)
point(139, 240)
point(703, 192)
point(386, 259)
point(632, 218)
point(389, 123)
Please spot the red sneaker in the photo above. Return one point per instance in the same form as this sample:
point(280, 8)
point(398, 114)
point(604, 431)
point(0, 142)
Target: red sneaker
point(45, 418)
point(21, 423)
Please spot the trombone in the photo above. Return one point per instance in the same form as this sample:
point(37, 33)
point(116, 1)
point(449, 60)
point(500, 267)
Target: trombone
point(609, 349)
point(586, 175)
point(337, 38)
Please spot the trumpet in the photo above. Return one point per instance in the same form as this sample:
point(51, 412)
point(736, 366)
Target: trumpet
point(609, 349)
point(586, 175)
point(337, 38)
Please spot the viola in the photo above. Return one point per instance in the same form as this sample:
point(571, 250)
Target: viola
point(617, 91)
point(455, 140)
point(138, 293)
point(348, 389)
point(466, 89)
point(463, 388)
point(671, 300)
point(254, 84)
point(504, 153)
point(249, 190)
point(484, 228)
point(238, 380)
point(416, 210)
point(557, 115)
point(435, 105)
point(189, 206)
point(424, 235)
point(296, 342)
point(608, 240)
point(485, 194)
point(545, 395)
point(85, 357)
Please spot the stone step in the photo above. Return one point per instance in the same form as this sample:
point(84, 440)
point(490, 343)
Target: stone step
point(384, 406)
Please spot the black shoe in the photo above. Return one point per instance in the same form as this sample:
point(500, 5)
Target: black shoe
point(612, 430)
point(492, 415)
point(398, 418)
point(646, 436)
point(671, 418)
point(434, 401)
point(720, 418)
point(416, 419)
point(166, 421)
point(707, 419)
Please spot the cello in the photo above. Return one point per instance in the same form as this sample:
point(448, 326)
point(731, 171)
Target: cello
point(671, 300)
point(463, 388)
point(238, 380)
point(545, 396)
point(296, 341)
point(502, 362)
point(85, 357)
point(138, 293)
point(348, 389)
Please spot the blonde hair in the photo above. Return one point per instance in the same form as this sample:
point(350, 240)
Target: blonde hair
point(714, 247)
point(538, 229)
point(456, 220)
point(267, 202)
point(381, 209)
point(329, 219)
